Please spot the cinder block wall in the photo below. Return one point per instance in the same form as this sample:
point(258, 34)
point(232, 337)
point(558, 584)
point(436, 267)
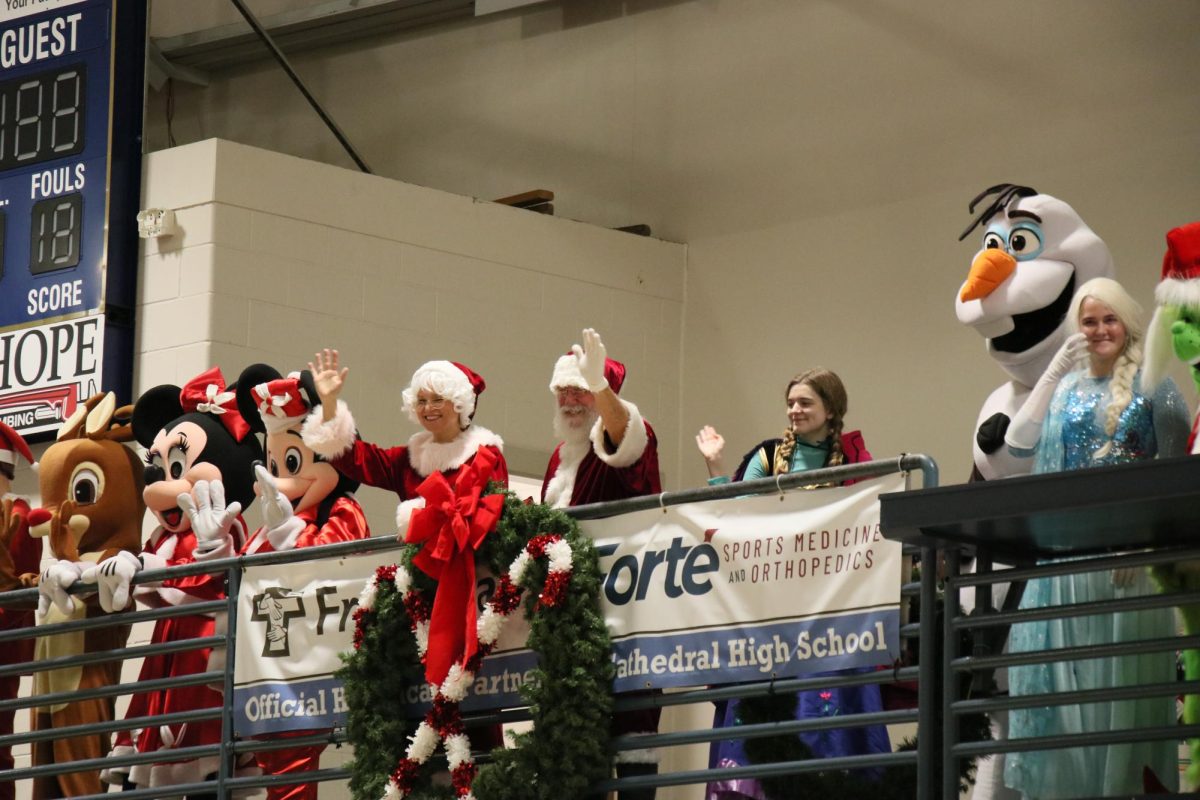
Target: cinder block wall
point(276, 257)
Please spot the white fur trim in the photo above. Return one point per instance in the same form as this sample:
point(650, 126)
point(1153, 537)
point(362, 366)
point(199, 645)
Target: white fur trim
point(647, 755)
point(1178, 292)
point(116, 775)
point(427, 456)
point(404, 513)
point(567, 374)
point(284, 537)
point(329, 439)
point(175, 772)
point(632, 446)
point(560, 487)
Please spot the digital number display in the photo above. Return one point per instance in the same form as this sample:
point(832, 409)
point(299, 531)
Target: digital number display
point(55, 233)
point(42, 116)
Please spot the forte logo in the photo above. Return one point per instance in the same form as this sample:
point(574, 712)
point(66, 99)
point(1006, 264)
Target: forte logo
point(680, 569)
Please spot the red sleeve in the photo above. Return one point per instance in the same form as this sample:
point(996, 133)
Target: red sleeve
point(641, 477)
point(500, 470)
point(346, 523)
point(375, 466)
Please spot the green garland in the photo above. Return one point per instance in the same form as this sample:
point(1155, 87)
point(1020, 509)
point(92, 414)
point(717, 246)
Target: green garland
point(569, 697)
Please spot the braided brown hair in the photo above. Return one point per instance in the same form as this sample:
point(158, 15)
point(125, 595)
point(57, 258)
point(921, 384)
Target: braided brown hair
point(832, 392)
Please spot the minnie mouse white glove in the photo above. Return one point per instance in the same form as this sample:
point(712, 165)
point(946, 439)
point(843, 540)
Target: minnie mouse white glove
point(280, 520)
point(211, 519)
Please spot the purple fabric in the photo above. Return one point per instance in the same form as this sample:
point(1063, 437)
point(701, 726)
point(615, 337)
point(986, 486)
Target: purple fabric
point(727, 753)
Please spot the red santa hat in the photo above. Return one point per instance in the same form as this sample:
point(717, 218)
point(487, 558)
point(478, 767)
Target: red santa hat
point(567, 374)
point(1179, 287)
point(1180, 283)
point(11, 445)
point(456, 382)
point(281, 403)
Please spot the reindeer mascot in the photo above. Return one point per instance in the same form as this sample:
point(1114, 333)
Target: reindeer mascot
point(91, 487)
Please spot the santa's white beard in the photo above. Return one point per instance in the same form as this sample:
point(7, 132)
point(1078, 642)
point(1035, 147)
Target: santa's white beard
point(574, 428)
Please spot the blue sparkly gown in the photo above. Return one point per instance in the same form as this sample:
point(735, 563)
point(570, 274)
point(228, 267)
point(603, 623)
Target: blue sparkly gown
point(1073, 431)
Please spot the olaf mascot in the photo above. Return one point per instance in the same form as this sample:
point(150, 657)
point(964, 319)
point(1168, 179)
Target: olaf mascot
point(1035, 252)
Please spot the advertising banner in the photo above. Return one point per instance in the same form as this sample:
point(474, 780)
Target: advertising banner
point(707, 593)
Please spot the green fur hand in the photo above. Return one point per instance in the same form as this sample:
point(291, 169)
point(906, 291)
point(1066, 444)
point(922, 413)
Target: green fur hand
point(1185, 339)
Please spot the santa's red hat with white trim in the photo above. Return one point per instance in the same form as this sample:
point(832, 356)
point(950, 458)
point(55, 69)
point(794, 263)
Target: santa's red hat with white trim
point(1178, 288)
point(1180, 282)
point(567, 375)
point(12, 445)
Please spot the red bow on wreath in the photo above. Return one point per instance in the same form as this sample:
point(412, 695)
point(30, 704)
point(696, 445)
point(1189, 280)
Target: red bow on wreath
point(452, 525)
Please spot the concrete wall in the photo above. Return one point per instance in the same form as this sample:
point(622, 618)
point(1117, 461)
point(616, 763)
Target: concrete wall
point(277, 257)
point(816, 158)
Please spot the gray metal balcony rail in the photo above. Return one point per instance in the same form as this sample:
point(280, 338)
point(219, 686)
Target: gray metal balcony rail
point(1132, 515)
point(229, 750)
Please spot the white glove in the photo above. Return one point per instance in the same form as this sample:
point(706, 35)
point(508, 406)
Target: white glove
point(591, 360)
point(1026, 427)
point(53, 585)
point(283, 526)
point(112, 577)
point(211, 519)
point(404, 513)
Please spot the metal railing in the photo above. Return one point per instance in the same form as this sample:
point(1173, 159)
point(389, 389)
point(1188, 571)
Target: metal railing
point(230, 748)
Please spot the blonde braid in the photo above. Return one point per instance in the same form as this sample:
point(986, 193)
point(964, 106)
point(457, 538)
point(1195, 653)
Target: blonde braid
point(1122, 392)
point(783, 453)
point(836, 456)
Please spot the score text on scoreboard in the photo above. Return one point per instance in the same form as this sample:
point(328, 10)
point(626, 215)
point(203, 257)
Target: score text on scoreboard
point(59, 59)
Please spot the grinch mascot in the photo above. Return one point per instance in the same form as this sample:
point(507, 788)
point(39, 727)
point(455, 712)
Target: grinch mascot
point(1176, 327)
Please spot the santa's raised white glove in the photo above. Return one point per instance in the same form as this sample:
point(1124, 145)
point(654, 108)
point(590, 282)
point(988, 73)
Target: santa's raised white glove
point(591, 359)
point(211, 519)
point(53, 584)
point(1026, 427)
point(281, 522)
point(112, 577)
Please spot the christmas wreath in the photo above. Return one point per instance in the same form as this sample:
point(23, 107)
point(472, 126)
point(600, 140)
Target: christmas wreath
point(544, 564)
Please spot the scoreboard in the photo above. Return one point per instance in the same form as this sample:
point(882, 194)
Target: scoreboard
point(71, 99)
